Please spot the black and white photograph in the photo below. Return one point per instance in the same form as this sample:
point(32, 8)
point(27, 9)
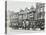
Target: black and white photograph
point(24, 16)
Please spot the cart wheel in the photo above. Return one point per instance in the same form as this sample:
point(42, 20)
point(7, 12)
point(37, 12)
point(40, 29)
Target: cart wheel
point(41, 28)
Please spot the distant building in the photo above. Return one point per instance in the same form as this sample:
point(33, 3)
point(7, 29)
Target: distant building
point(23, 15)
point(40, 10)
